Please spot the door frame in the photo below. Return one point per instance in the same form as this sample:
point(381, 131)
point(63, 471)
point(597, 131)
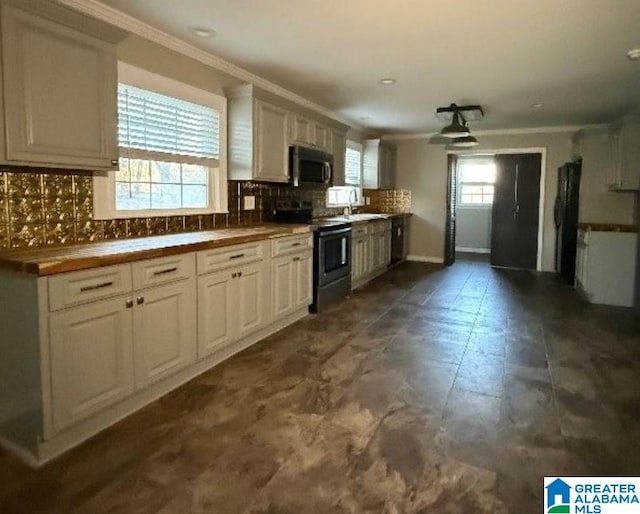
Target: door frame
point(543, 169)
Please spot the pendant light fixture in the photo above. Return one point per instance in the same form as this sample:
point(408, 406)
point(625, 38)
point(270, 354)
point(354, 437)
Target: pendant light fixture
point(458, 128)
point(464, 142)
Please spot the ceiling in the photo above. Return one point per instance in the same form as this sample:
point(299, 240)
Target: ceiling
point(569, 55)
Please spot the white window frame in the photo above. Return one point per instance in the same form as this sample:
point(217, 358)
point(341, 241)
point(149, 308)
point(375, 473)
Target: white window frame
point(465, 205)
point(104, 198)
point(354, 145)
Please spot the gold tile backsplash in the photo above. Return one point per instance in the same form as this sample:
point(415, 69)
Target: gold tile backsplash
point(388, 201)
point(56, 208)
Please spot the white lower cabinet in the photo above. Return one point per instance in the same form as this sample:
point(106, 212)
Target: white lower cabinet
point(231, 305)
point(292, 283)
point(91, 358)
point(370, 252)
point(164, 328)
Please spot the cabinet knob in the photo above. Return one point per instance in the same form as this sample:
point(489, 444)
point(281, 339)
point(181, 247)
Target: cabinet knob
point(239, 273)
point(140, 300)
point(129, 304)
point(234, 275)
point(296, 259)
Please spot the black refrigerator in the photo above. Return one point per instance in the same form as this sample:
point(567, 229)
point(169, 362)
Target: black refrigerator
point(566, 219)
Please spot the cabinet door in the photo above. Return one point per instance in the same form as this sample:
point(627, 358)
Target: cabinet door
point(321, 136)
point(215, 312)
point(360, 258)
point(60, 93)
point(251, 312)
point(389, 169)
point(630, 156)
point(301, 130)
point(282, 278)
point(273, 152)
point(164, 329)
point(387, 248)
point(303, 279)
point(339, 145)
point(91, 359)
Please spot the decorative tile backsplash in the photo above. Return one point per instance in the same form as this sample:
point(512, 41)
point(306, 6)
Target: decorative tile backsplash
point(56, 208)
point(388, 200)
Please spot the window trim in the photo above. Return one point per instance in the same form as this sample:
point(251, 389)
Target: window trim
point(104, 199)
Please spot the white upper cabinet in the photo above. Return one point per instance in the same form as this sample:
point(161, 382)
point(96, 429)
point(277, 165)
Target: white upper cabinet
point(625, 155)
point(272, 162)
point(339, 150)
point(301, 130)
point(258, 138)
point(59, 82)
point(379, 165)
point(321, 137)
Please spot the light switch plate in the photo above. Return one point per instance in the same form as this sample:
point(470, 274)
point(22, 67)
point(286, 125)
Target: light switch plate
point(249, 203)
point(367, 200)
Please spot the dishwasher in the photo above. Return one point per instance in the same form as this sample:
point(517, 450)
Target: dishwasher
point(398, 247)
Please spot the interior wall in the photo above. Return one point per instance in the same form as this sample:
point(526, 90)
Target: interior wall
point(422, 167)
point(155, 58)
point(473, 228)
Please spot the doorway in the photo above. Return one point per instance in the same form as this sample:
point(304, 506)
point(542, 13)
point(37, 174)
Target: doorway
point(494, 207)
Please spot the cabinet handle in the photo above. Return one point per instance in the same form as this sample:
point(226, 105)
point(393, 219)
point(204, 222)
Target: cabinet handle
point(97, 286)
point(129, 304)
point(234, 275)
point(296, 259)
point(296, 244)
point(239, 273)
point(114, 162)
point(237, 256)
point(165, 271)
point(140, 300)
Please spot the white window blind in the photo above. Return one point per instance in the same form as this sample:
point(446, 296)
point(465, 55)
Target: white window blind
point(157, 127)
point(353, 164)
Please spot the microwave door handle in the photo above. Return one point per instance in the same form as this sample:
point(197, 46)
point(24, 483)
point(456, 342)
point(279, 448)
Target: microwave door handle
point(295, 171)
point(327, 173)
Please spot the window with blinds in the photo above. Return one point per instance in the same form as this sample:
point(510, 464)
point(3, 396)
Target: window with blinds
point(476, 183)
point(353, 164)
point(167, 148)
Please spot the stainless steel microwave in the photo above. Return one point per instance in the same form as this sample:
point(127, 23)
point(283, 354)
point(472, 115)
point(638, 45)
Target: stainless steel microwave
point(310, 166)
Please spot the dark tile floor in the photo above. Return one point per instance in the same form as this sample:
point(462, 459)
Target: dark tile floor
point(431, 390)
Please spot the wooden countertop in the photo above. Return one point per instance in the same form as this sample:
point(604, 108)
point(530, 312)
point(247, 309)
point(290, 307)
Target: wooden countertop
point(607, 227)
point(52, 260)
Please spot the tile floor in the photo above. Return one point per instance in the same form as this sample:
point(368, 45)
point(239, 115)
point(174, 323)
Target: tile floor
point(429, 391)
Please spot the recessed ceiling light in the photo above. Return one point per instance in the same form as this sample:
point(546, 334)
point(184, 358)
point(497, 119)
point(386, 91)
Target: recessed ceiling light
point(203, 32)
point(634, 54)
point(536, 106)
point(365, 118)
point(388, 81)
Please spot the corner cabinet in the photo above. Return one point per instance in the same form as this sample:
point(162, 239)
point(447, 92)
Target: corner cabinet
point(59, 82)
point(379, 164)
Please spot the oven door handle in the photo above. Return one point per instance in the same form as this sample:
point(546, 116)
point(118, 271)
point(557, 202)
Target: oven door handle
point(326, 172)
point(333, 233)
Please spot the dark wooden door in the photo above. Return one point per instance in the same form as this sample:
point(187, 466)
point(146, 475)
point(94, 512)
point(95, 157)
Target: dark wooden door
point(450, 225)
point(516, 205)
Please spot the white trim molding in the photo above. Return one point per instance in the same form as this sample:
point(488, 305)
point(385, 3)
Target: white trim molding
point(503, 132)
point(425, 258)
point(108, 14)
point(465, 249)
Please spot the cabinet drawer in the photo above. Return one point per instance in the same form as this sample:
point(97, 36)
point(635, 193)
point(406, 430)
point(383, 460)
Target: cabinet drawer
point(380, 226)
point(286, 245)
point(359, 230)
point(214, 260)
point(85, 286)
point(163, 270)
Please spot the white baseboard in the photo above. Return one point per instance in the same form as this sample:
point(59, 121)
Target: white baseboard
point(425, 258)
point(465, 249)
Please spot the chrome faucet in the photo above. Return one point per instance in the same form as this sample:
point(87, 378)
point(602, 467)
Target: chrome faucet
point(349, 204)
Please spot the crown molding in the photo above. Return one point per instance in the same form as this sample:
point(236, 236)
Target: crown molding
point(97, 9)
point(504, 132)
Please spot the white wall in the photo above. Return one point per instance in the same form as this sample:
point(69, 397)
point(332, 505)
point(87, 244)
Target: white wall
point(473, 228)
point(422, 167)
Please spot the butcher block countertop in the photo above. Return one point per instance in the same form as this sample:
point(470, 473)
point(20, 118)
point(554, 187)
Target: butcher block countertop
point(52, 260)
